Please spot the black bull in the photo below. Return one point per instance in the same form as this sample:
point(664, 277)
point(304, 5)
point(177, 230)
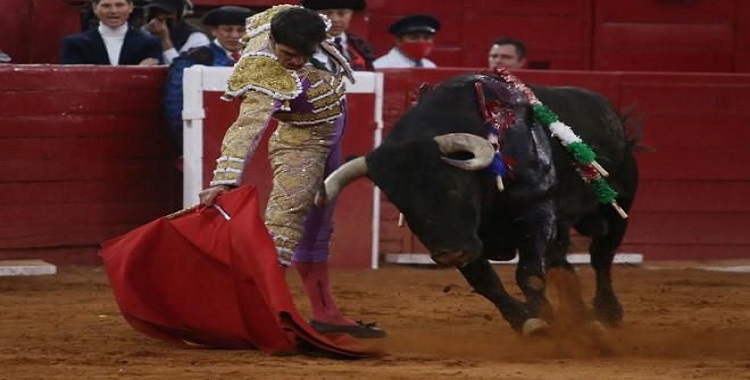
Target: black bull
point(456, 210)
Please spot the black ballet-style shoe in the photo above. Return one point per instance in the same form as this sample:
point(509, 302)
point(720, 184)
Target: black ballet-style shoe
point(360, 330)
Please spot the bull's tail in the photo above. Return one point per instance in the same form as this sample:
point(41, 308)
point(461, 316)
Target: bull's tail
point(632, 122)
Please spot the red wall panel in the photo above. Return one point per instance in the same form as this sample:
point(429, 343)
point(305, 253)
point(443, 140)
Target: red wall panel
point(706, 196)
point(665, 35)
point(742, 47)
point(657, 11)
point(688, 228)
point(663, 47)
point(14, 27)
point(80, 161)
point(51, 20)
point(32, 29)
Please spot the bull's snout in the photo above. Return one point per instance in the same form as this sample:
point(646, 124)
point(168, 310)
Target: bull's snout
point(459, 258)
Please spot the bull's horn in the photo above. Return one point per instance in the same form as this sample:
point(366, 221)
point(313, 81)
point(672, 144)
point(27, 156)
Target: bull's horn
point(464, 142)
point(339, 178)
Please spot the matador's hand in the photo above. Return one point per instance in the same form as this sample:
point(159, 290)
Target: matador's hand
point(208, 196)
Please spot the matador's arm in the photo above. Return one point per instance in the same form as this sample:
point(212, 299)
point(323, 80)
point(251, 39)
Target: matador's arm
point(243, 136)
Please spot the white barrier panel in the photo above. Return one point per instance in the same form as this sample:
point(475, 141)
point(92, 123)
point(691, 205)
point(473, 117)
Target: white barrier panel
point(573, 258)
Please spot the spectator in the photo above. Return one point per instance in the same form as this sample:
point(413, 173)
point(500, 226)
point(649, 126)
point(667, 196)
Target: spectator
point(414, 42)
point(275, 79)
point(507, 52)
point(89, 20)
point(227, 26)
point(113, 41)
point(166, 21)
point(358, 51)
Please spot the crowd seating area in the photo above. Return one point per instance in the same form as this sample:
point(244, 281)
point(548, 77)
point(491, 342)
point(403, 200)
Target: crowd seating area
point(603, 35)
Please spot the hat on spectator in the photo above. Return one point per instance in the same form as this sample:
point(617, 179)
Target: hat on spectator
point(415, 24)
point(316, 5)
point(169, 6)
point(227, 15)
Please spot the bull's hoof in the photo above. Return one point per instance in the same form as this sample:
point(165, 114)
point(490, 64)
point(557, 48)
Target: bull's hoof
point(535, 327)
point(609, 312)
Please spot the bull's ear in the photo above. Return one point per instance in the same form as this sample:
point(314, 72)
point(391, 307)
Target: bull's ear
point(378, 164)
point(424, 89)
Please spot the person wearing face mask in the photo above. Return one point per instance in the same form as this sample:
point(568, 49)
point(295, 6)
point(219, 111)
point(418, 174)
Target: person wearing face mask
point(166, 21)
point(112, 42)
point(358, 51)
point(275, 79)
point(227, 25)
point(414, 43)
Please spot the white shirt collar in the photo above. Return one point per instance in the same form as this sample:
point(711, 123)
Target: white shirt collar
point(113, 39)
point(118, 32)
point(217, 43)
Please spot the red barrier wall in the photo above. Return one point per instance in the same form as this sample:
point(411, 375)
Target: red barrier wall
point(83, 157)
point(83, 161)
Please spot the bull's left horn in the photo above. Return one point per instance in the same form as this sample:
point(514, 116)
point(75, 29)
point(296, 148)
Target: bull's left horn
point(465, 142)
point(339, 178)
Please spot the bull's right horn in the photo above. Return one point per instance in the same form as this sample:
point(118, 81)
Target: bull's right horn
point(465, 142)
point(339, 178)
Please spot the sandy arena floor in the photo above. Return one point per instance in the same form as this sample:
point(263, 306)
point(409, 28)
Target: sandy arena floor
point(681, 323)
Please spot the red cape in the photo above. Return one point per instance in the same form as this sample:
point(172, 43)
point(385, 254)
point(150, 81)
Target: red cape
point(199, 280)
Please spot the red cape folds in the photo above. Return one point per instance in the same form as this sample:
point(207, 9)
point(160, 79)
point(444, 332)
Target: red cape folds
point(199, 280)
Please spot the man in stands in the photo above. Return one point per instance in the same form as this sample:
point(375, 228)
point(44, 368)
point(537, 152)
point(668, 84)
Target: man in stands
point(507, 52)
point(166, 21)
point(227, 25)
point(113, 41)
point(358, 51)
point(414, 42)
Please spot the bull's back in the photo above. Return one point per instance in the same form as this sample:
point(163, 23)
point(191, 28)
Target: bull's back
point(595, 120)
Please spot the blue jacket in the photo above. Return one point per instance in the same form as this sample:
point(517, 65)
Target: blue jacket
point(88, 48)
point(209, 55)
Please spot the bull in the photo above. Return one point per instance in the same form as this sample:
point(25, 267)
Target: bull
point(433, 167)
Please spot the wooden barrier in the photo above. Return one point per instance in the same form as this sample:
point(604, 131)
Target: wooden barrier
point(82, 161)
point(84, 156)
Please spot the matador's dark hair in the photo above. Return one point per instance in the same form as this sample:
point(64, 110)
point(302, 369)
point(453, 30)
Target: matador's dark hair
point(299, 28)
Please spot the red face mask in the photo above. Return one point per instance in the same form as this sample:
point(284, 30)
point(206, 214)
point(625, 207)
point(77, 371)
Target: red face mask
point(416, 50)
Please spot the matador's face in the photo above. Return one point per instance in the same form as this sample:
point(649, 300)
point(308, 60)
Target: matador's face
point(289, 57)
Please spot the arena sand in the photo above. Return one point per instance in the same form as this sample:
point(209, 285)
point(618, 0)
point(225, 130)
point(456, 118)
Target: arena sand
point(680, 323)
